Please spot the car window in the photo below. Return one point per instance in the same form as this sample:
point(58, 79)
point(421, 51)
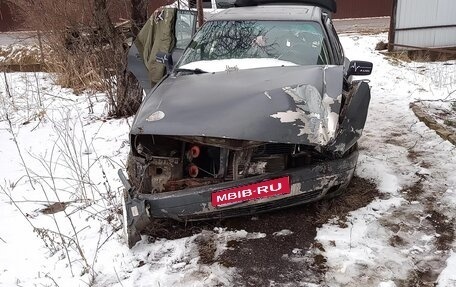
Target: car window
point(279, 42)
point(185, 27)
point(338, 50)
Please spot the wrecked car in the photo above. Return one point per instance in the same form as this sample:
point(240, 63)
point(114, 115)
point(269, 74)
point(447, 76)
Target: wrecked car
point(260, 112)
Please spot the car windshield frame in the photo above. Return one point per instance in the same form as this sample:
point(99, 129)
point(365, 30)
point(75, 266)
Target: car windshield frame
point(282, 42)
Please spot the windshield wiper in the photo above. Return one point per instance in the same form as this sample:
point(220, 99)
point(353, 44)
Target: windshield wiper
point(193, 71)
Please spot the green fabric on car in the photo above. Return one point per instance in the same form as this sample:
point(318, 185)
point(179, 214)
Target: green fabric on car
point(157, 35)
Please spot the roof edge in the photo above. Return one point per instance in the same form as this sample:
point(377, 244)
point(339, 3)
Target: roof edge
point(330, 5)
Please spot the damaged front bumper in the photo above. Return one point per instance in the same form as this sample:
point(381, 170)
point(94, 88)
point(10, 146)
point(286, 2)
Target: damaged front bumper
point(307, 184)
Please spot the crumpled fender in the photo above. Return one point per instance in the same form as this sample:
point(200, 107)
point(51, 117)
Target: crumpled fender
point(353, 123)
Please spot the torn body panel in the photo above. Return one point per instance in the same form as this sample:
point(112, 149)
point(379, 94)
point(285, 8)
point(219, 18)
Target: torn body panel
point(353, 119)
point(316, 115)
point(166, 188)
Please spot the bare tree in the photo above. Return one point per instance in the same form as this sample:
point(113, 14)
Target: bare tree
point(138, 15)
point(88, 52)
point(128, 94)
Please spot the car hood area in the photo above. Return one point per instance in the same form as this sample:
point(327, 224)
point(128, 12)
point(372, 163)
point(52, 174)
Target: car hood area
point(297, 105)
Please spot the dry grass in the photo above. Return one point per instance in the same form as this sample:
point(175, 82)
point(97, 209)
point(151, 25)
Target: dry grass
point(420, 56)
point(23, 58)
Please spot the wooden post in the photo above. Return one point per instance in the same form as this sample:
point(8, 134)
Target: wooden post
point(199, 8)
point(392, 29)
point(40, 43)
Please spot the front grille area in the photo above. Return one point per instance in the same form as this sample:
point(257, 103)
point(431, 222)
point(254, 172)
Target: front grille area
point(274, 148)
point(262, 207)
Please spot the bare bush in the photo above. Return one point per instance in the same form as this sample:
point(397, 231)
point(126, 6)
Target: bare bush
point(88, 52)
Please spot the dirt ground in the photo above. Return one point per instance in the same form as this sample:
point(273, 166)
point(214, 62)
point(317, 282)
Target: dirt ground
point(362, 25)
point(260, 268)
point(289, 234)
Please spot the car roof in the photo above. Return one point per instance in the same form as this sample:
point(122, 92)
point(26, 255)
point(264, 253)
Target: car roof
point(270, 12)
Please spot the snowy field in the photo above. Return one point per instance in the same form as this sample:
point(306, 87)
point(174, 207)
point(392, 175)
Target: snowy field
point(57, 147)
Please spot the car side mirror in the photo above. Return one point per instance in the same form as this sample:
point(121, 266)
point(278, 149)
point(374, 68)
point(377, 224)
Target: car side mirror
point(359, 68)
point(166, 59)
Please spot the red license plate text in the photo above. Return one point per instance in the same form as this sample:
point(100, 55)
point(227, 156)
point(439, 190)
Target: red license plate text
point(259, 190)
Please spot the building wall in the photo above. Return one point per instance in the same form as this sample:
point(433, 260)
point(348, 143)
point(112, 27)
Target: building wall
point(420, 23)
point(363, 8)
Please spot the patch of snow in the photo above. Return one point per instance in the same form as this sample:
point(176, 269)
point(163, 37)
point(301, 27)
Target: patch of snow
point(215, 66)
point(283, 232)
point(448, 276)
point(387, 284)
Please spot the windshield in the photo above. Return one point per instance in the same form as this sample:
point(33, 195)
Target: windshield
point(227, 45)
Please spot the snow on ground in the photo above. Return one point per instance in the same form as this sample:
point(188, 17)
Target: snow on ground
point(398, 241)
point(70, 153)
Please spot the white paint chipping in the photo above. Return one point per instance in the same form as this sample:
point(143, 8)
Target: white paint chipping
point(313, 114)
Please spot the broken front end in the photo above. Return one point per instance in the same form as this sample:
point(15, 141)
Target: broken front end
point(197, 157)
point(192, 178)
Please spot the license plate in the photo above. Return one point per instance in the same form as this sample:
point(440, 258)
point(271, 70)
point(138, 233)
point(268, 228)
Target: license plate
point(253, 191)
